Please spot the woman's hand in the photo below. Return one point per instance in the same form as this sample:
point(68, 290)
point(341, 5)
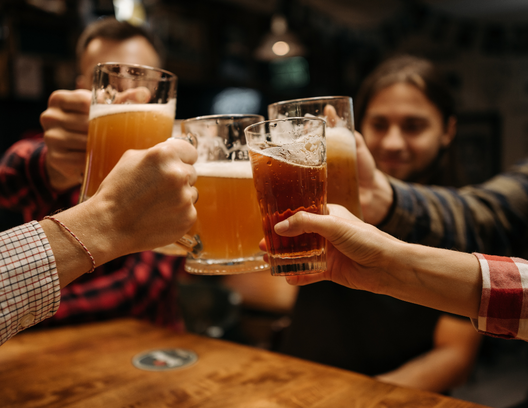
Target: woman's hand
point(357, 252)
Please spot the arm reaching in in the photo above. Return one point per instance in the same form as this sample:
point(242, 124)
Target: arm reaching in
point(362, 257)
point(447, 365)
point(146, 201)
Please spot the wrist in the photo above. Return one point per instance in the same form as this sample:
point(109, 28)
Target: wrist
point(377, 200)
point(91, 223)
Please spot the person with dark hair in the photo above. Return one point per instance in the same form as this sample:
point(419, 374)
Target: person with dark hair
point(407, 113)
point(109, 40)
point(41, 176)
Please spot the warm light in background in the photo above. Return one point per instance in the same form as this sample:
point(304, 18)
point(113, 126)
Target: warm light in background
point(131, 11)
point(280, 48)
point(279, 42)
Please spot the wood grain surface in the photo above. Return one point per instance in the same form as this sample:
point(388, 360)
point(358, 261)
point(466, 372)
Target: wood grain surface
point(91, 366)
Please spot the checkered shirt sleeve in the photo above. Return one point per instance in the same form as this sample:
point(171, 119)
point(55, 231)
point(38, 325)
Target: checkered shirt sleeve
point(29, 283)
point(504, 300)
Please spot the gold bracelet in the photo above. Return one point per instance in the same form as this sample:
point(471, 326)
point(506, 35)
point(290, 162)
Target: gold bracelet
point(75, 237)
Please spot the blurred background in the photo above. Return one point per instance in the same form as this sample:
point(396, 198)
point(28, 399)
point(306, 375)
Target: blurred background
point(222, 52)
point(237, 56)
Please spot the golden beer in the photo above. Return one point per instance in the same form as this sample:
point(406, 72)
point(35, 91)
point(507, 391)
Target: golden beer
point(341, 162)
point(228, 223)
point(114, 129)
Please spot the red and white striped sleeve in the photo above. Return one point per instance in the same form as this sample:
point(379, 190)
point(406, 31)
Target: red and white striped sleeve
point(504, 301)
point(29, 283)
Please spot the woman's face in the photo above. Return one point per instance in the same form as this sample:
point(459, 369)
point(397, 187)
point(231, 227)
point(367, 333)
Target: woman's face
point(404, 131)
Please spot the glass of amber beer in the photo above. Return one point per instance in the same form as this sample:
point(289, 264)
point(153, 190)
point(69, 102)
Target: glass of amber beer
point(288, 160)
point(228, 225)
point(340, 143)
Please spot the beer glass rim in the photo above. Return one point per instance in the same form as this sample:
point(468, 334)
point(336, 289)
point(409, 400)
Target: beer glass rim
point(104, 66)
point(310, 99)
point(248, 129)
point(228, 116)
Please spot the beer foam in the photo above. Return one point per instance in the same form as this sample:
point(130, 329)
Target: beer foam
point(167, 109)
point(340, 139)
point(228, 169)
point(339, 132)
point(307, 150)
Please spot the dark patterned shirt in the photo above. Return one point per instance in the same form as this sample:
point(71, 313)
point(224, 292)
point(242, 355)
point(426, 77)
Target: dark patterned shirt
point(140, 285)
point(490, 218)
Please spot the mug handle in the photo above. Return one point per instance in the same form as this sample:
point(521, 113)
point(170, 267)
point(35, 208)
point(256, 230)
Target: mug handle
point(187, 244)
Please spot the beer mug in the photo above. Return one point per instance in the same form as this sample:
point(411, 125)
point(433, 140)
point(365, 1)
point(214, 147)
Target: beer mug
point(133, 107)
point(340, 143)
point(228, 225)
point(288, 160)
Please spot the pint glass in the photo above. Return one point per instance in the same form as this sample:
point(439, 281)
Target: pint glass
point(340, 143)
point(288, 160)
point(228, 225)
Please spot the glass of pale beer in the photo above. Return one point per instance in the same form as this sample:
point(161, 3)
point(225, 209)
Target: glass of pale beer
point(340, 143)
point(228, 225)
point(288, 160)
point(133, 107)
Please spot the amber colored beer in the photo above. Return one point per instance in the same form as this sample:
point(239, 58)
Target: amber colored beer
point(341, 162)
point(114, 129)
point(283, 189)
point(228, 221)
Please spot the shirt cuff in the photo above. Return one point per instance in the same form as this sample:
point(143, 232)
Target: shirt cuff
point(503, 309)
point(30, 284)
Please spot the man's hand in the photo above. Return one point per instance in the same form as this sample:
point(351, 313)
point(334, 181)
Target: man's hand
point(65, 125)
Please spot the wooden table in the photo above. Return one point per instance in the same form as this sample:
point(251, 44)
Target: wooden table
point(90, 366)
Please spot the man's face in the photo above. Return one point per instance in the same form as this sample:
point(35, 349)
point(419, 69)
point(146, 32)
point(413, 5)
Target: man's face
point(404, 131)
point(135, 50)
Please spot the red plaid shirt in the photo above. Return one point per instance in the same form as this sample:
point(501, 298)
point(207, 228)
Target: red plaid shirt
point(140, 285)
point(504, 300)
point(29, 284)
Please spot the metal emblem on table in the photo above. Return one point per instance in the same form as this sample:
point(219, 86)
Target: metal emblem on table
point(164, 359)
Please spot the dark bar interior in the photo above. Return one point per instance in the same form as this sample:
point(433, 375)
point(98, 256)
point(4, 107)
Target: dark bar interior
point(228, 59)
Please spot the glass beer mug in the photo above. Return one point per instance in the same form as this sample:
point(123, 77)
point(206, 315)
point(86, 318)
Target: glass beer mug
point(133, 107)
point(229, 227)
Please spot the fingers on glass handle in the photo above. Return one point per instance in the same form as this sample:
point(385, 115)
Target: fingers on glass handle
point(188, 137)
point(191, 244)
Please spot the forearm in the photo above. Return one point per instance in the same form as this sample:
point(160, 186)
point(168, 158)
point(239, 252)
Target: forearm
point(445, 280)
point(489, 218)
point(438, 371)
